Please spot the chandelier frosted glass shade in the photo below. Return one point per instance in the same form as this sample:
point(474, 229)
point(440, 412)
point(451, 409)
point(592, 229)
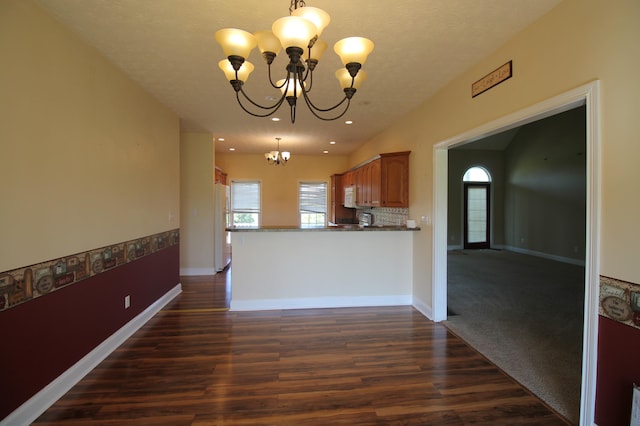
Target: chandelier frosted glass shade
point(318, 17)
point(315, 53)
point(235, 42)
point(290, 88)
point(298, 36)
point(346, 81)
point(242, 74)
point(293, 31)
point(353, 50)
point(268, 42)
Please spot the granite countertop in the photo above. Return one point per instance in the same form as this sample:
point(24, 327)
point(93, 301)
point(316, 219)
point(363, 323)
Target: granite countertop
point(331, 228)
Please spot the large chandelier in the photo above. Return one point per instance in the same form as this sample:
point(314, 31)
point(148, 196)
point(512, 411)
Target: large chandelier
point(299, 35)
point(277, 157)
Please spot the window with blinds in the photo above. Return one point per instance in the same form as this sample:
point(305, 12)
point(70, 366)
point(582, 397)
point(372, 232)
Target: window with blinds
point(245, 204)
point(312, 197)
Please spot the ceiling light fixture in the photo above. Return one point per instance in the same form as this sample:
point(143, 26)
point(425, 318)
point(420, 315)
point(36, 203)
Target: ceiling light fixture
point(276, 157)
point(298, 34)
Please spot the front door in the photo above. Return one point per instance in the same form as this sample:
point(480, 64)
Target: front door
point(476, 215)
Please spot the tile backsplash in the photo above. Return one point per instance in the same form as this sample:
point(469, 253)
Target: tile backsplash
point(387, 215)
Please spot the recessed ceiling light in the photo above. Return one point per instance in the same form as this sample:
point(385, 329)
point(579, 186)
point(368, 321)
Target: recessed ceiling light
point(275, 119)
point(325, 152)
point(220, 139)
point(332, 142)
point(348, 122)
point(232, 149)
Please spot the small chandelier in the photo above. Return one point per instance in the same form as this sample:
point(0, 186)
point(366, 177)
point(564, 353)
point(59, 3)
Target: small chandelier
point(277, 157)
point(298, 34)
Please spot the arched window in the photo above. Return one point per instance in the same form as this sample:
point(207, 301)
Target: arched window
point(477, 181)
point(476, 174)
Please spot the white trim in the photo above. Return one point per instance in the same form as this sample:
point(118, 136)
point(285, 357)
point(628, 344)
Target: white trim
point(194, 272)
point(47, 396)
point(563, 259)
point(423, 308)
point(592, 255)
point(587, 94)
point(439, 249)
point(578, 262)
point(320, 302)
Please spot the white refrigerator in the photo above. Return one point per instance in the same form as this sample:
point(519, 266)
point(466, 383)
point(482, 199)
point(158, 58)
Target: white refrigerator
point(222, 245)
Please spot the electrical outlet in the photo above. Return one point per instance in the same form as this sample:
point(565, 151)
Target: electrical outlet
point(127, 301)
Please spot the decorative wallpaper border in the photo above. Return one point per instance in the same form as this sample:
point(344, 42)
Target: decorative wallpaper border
point(620, 301)
point(23, 284)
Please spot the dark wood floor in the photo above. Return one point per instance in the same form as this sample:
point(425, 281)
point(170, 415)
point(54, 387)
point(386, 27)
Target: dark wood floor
point(195, 363)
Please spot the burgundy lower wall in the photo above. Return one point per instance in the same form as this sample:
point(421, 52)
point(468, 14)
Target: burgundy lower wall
point(42, 338)
point(618, 370)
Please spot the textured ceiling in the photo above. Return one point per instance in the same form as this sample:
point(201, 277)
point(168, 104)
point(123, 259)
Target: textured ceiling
point(168, 47)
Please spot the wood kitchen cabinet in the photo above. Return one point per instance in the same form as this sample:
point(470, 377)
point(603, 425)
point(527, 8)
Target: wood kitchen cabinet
point(360, 184)
point(368, 178)
point(394, 179)
point(375, 182)
point(381, 182)
point(337, 212)
point(220, 176)
point(348, 179)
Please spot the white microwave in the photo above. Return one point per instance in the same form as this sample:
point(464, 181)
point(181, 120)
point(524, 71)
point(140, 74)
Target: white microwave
point(350, 197)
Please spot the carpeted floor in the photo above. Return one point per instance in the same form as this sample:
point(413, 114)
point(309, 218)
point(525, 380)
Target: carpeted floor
point(525, 314)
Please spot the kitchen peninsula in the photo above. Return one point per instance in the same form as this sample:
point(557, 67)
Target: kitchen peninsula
point(336, 266)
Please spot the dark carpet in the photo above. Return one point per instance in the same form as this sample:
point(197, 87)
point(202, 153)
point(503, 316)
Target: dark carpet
point(525, 314)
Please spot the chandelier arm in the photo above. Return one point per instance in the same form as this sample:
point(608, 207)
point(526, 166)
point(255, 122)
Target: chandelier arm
point(315, 110)
point(273, 108)
point(308, 75)
point(313, 107)
point(274, 85)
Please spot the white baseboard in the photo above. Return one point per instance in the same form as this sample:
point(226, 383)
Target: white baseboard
point(579, 262)
point(192, 272)
point(47, 396)
point(319, 302)
point(423, 308)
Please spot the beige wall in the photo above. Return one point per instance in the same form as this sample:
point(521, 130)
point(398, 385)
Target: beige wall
point(197, 157)
point(577, 42)
point(320, 270)
point(279, 184)
point(88, 158)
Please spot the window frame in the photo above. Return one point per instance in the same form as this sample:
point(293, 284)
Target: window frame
point(325, 206)
point(251, 211)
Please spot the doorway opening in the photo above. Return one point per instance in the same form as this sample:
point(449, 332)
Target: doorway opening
point(587, 95)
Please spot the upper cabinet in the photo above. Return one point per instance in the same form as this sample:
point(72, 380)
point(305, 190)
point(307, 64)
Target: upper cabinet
point(381, 182)
point(220, 176)
point(337, 212)
point(394, 190)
